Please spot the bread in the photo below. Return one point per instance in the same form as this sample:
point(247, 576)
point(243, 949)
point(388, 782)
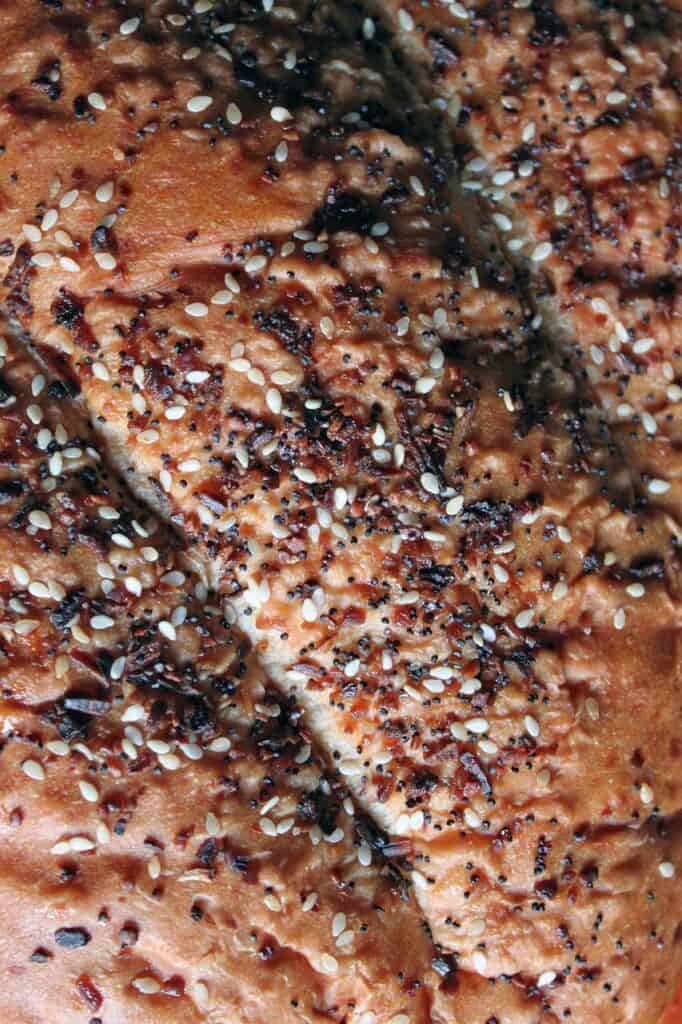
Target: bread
point(295, 341)
point(568, 116)
point(171, 850)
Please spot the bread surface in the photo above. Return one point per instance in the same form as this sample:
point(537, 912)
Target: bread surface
point(241, 240)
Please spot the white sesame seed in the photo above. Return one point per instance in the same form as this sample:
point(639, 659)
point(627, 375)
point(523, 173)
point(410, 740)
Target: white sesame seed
point(454, 505)
point(101, 622)
point(105, 261)
point(197, 376)
point(31, 232)
point(40, 520)
point(129, 26)
point(255, 263)
point(646, 793)
point(33, 769)
point(635, 590)
point(104, 193)
point(305, 475)
point(477, 725)
point(234, 114)
point(171, 762)
point(96, 100)
point(546, 978)
point(148, 436)
point(196, 309)
point(69, 264)
point(175, 412)
point(48, 221)
point(197, 104)
point(502, 221)
point(531, 726)
point(328, 964)
point(405, 20)
point(615, 97)
point(88, 791)
point(134, 713)
point(619, 619)
point(524, 618)
point(42, 259)
point(649, 423)
point(68, 199)
point(657, 486)
point(471, 819)
point(146, 985)
point(220, 745)
point(280, 114)
point(424, 385)
point(666, 869)
point(167, 630)
point(429, 482)
point(480, 962)
point(541, 252)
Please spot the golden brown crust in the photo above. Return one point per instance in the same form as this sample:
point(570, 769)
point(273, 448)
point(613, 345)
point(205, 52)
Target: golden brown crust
point(348, 413)
point(171, 848)
point(571, 116)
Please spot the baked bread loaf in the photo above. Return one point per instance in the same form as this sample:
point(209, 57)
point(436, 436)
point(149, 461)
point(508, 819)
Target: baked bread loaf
point(569, 115)
point(172, 850)
point(233, 235)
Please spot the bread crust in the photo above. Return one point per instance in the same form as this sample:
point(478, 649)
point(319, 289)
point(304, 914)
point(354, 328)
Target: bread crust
point(306, 361)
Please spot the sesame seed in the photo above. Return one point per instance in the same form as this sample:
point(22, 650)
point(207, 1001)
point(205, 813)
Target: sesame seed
point(524, 619)
point(167, 629)
point(405, 20)
point(429, 482)
point(666, 869)
point(88, 791)
point(657, 486)
point(541, 252)
point(199, 103)
point(531, 726)
point(104, 193)
point(328, 964)
point(33, 769)
point(196, 309)
point(68, 199)
point(502, 221)
point(49, 220)
point(42, 259)
point(134, 713)
point(40, 520)
point(280, 114)
point(101, 622)
point(129, 26)
point(471, 818)
point(96, 100)
point(546, 978)
point(105, 261)
point(31, 232)
point(234, 114)
point(255, 263)
point(146, 985)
